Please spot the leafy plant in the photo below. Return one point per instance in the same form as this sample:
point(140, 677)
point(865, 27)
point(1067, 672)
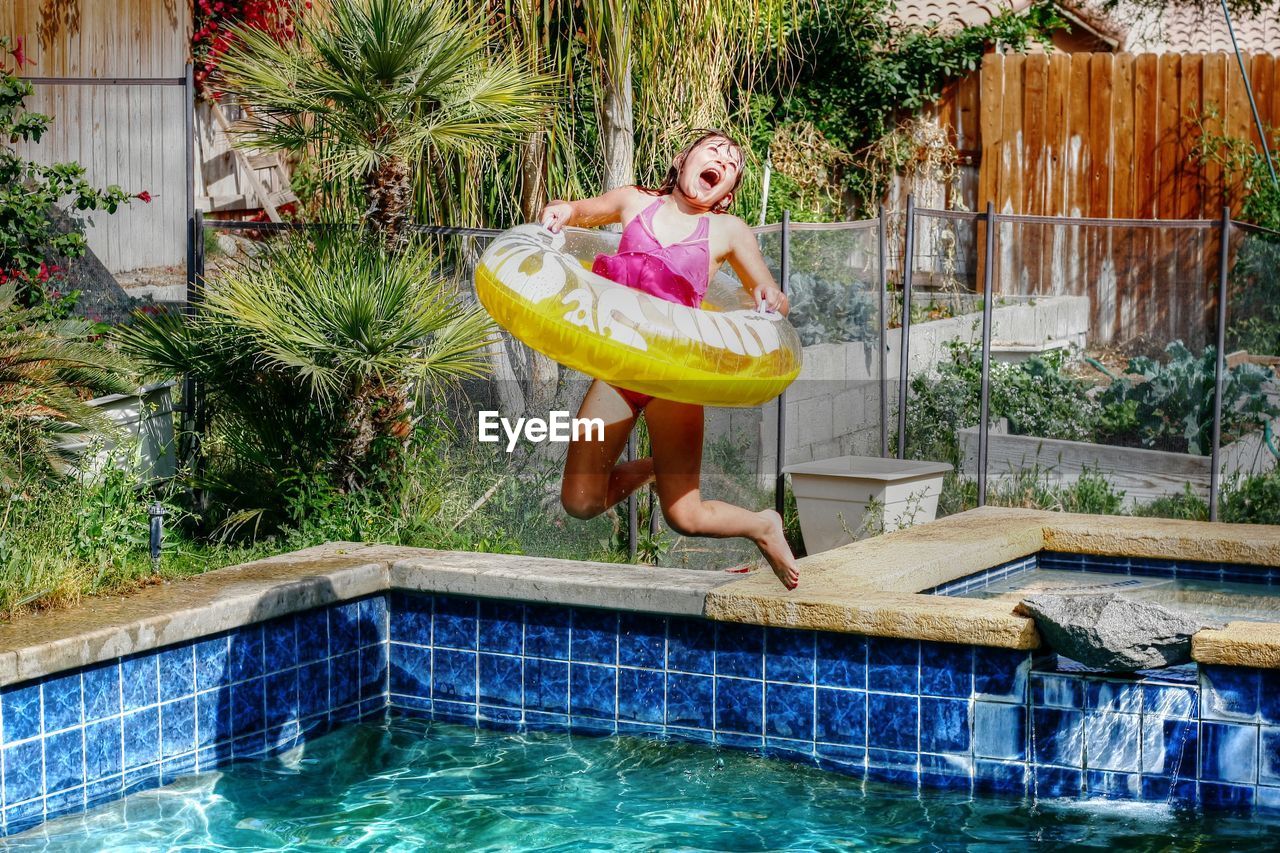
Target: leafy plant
point(1172, 403)
point(378, 87)
point(825, 311)
point(30, 231)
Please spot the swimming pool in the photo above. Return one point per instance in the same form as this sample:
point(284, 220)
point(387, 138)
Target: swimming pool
point(411, 784)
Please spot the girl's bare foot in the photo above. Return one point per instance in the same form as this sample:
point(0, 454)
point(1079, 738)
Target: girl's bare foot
point(773, 545)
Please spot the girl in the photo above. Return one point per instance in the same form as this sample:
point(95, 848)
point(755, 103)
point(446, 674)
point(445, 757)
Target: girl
point(673, 241)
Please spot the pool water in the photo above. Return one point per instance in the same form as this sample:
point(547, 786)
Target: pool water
point(1211, 600)
point(411, 784)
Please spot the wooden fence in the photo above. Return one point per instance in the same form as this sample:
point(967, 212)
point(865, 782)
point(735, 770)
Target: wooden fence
point(1109, 136)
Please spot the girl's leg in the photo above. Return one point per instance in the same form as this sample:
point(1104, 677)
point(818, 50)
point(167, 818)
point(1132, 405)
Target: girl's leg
point(593, 481)
point(675, 431)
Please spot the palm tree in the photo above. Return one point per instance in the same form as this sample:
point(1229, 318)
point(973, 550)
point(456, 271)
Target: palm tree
point(327, 334)
point(378, 86)
point(47, 369)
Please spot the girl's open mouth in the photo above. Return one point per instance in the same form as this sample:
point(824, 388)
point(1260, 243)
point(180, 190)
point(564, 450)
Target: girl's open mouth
point(709, 178)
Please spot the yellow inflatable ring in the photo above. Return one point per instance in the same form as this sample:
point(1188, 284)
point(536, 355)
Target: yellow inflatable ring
point(539, 287)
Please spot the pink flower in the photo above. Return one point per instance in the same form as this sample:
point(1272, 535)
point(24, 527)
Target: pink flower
point(144, 197)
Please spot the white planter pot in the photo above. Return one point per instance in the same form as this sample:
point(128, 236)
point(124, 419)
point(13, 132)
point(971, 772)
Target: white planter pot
point(144, 418)
point(835, 496)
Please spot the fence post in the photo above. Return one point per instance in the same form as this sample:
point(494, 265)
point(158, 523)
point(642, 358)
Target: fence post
point(985, 406)
point(784, 273)
point(633, 509)
point(189, 135)
point(905, 347)
point(884, 329)
point(1219, 369)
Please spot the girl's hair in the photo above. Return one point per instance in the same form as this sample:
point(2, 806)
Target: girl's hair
point(673, 174)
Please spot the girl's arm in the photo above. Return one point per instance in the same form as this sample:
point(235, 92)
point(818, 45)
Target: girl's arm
point(745, 258)
point(588, 212)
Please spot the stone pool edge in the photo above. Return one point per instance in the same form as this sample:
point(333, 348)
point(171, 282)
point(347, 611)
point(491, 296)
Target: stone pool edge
point(869, 587)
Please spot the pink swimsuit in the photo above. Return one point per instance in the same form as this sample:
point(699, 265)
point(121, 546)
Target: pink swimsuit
point(676, 273)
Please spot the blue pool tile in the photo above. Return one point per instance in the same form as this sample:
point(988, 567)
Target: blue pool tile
point(893, 766)
point(1000, 674)
point(249, 746)
point(177, 673)
point(801, 751)
point(141, 737)
point(1106, 563)
point(893, 722)
point(546, 632)
point(247, 657)
point(1229, 693)
point(410, 619)
point(1228, 753)
point(1049, 690)
point(64, 760)
point(344, 627)
point(1269, 700)
point(735, 740)
point(23, 771)
point(739, 705)
point(595, 726)
point(313, 686)
point(1061, 561)
point(501, 679)
point(640, 695)
point(593, 690)
point(102, 756)
point(102, 691)
point(789, 711)
point(20, 712)
point(1169, 746)
point(841, 716)
point(1113, 742)
point(546, 685)
point(1120, 696)
point(595, 636)
point(790, 655)
point(68, 801)
point(502, 719)
point(141, 681)
point(893, 665)
point(211, 663)
point(63, 702)
point(946, 669)
point(850, 760)
point(281, 698)
point(175, 768)
point(247, 701)
point(454, 712)
point(213, 717)
point(280, 644)
point(841, 660)
point(410, 670)
point(344, 679)
point(501, 627)
point(689, 700)
point(1054, 782)
point(999, 730)
point(453, 675)
point(1236, 799)
point(1180, 793)
point(642, 640)
point(1000, 777)
point(1113, 786)
point(1269, 756)
point(1268, 801)
point(648, 731)
point(213, 757)
point(455, 622)
point(691, 645)
point(944, 725)
point(739, 650)
point(1058, 737)
point(311, 631)
point(373, 620)
point(177, 727)
point(23, 816)
point(1169, 701)
point(373, 672)
point(946, 771)
point(539, 721)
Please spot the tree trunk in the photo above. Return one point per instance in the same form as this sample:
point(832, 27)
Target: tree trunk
point(617, 128)
point(389, 190)
point(533, 177)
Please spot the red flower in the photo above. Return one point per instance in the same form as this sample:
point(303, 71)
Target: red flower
point(144, 197)
point(19, 54)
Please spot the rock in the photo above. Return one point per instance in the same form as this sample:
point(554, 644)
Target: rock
point(1110, 632)
point(228, 245)
point(101, 297)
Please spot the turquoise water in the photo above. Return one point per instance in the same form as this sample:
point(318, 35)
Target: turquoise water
point(415, 785)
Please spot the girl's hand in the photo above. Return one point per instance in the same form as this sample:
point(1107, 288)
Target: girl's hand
point(769, 298)
point(556, 215)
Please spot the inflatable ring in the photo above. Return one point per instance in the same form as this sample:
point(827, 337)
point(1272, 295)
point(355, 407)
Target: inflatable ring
point(539, 287)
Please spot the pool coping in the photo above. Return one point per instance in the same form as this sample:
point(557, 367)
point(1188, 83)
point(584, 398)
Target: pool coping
point(869, 587)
